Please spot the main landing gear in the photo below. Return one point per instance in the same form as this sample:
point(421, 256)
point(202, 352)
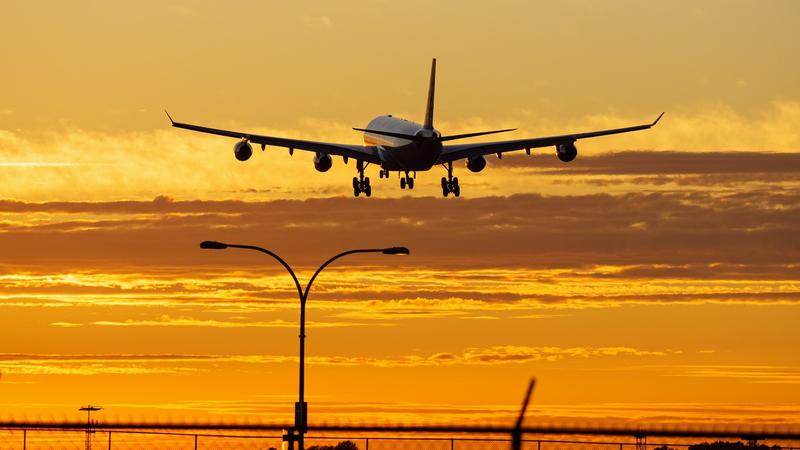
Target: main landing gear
point(450, 184)
point(406, 181)
point(361, 183)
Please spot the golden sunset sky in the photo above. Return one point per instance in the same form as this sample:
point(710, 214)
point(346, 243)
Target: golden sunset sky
point(654, 278)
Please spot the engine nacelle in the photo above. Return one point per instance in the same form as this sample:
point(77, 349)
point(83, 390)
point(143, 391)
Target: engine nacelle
point(323, 162)
point(242, 150)
point(476, 163)
point(566, 152)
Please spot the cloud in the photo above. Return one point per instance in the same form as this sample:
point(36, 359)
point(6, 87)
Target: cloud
point(167, 321)
point(537, 252)
point(80, 164)
point(689, 229)
point(750, 373)
point(664, 163)
point(66, 324)
point(93, 364)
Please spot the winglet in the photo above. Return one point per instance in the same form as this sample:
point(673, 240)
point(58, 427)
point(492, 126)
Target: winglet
point(657, 119)
point(169, 117)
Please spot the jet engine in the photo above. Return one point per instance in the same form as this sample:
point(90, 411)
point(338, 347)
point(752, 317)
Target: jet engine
point(242, 150)
point(566, 152)
point(476, 163)
point(322, 162)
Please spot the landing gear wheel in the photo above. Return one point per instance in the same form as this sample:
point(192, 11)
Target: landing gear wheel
point(355, 183)
point(368, 191)
point(402, 183)
point(450, 183)
point(356, 191)
point(410, 183)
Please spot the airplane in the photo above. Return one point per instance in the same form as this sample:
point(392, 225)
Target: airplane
point(406, 147)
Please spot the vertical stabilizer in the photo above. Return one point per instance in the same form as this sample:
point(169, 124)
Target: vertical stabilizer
point(431, 88)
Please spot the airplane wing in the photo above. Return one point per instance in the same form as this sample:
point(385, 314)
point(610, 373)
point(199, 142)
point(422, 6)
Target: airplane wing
point(357, 152)
point(460, 151)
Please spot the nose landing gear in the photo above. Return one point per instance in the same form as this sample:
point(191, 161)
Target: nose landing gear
point(450, 184)
point(407, 181)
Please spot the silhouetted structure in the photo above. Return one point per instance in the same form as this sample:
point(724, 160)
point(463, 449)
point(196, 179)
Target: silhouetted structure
point(301, 407)
point(739, 445)
point(89, 409)
point(344, 445)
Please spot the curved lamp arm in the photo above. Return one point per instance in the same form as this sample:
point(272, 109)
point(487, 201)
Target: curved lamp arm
point(220, 245)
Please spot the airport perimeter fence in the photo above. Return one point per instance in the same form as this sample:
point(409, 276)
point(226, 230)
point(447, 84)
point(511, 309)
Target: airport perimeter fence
point(52, 439)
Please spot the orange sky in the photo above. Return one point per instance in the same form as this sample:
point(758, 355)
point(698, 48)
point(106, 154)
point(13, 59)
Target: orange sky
point(655, 277)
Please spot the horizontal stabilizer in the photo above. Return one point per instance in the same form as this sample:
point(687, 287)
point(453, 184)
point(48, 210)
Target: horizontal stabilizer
point(469, 135)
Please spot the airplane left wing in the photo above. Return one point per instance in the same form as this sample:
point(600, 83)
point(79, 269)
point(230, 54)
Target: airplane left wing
point(357, 152)
point(452, 153)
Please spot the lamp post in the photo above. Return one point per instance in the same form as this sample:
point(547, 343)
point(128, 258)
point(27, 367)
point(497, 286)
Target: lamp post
point(89, 409)
point(300, 408)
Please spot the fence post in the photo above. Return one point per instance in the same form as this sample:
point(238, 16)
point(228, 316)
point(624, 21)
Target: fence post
point(195, 442)
point(452, 444)
point(24, 439)
point(366, 443)
point(109, 440)
point(538, 445)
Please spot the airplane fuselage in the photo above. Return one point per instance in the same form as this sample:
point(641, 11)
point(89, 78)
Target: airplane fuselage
point(403, 154)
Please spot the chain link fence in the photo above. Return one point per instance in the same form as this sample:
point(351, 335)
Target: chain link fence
point(41, 439)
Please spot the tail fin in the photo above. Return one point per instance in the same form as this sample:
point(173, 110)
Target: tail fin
point(429, 111)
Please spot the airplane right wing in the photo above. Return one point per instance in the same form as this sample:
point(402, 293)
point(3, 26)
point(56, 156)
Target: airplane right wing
point(461, 151)
point(357, 152)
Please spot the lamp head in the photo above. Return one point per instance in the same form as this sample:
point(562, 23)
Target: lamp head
point(396, 251)
point(213, 245)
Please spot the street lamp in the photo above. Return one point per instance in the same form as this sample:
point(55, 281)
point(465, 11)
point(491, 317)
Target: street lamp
point(301, 408)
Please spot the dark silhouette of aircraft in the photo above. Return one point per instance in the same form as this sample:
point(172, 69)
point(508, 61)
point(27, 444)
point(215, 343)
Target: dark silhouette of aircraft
point(399, 145)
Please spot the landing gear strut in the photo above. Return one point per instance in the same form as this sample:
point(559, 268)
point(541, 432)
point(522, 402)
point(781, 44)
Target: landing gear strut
point(407, 181)
point(361, 183)
point(450, 184)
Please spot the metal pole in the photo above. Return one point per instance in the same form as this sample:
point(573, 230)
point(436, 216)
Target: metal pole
point(538, 445)
point(195, 442)
point(24, 439)
point(452, 444)
point(109, 440)
point(301, 414)
point(366, 443)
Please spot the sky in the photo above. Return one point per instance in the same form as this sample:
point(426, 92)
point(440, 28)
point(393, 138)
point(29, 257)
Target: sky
point(655, 278)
